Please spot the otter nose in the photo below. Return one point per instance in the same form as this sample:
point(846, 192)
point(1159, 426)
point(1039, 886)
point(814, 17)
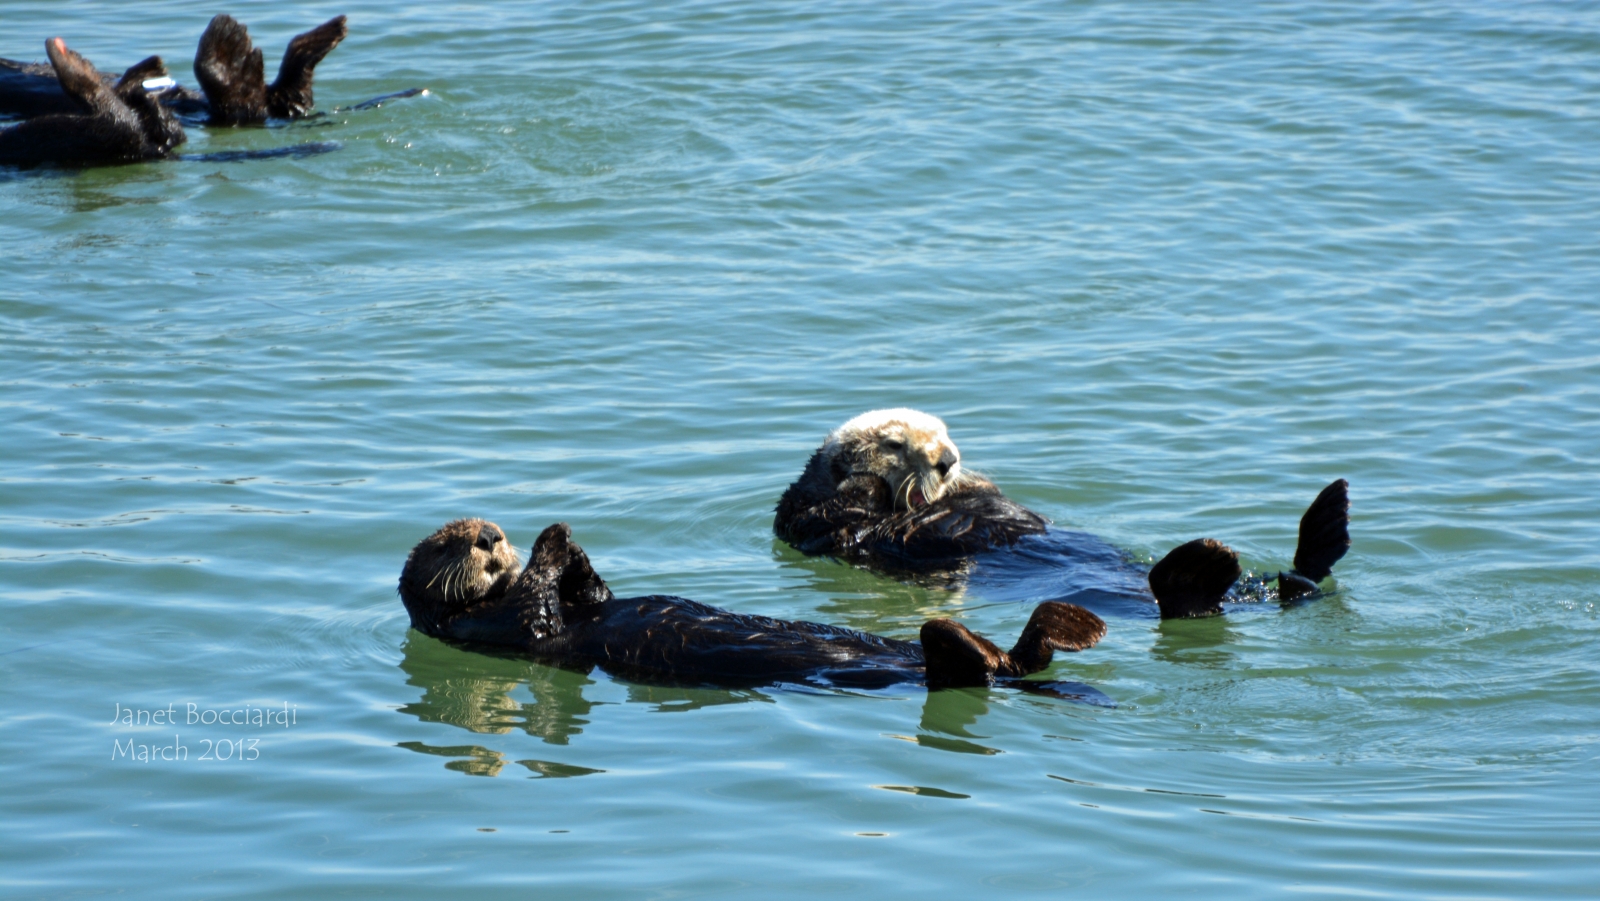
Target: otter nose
point(947, 460)
point(488, 537)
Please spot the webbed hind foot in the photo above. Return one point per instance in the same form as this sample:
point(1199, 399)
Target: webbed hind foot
point(1192, 579)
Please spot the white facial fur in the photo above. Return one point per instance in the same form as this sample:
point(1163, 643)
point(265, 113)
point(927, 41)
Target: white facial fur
point(910, 450)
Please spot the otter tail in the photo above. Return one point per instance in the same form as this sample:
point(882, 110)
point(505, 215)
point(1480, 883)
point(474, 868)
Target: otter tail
point(956, 656)
point(230, 71)
point(1191, 580)
point(290, 96)
point(1324, 539)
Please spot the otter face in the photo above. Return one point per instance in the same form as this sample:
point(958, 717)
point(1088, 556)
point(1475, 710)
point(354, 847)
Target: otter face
point(465, 562)
point(161, 129)
point(911, 451)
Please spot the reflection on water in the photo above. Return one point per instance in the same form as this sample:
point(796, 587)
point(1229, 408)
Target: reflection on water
point(479, 761)
point(952, 710)
point(860, 599)
point(1195, 642)
point(545, 769)
point(677, 699)
point(473, 691)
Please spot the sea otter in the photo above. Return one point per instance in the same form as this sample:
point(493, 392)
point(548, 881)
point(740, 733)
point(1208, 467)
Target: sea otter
point(463, 583)
point(118, 123)
point(229, 68)
point(887, 490)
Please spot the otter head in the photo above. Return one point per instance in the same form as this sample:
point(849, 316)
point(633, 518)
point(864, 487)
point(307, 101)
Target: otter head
point(909, 450)
point(461, 565)
point(140, 88)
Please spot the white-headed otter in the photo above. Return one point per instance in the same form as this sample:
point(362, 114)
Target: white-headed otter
point(229, 68)
point(887, 490)
point(114, 123)
point(463, 583)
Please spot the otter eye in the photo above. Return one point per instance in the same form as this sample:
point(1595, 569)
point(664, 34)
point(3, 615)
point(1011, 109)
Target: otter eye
point(894, 445)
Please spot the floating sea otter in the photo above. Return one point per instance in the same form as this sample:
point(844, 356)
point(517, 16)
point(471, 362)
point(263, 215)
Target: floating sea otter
point(118, 123)
point(463, 583)
point(887, 489)
point(229, 68)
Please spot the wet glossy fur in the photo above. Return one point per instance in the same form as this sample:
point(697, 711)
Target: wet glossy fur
point(229, 68)
point(119, 123)
point(845, 505)
point(455, 586)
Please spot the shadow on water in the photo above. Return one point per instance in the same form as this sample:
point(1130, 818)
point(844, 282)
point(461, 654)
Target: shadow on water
point(292, 151)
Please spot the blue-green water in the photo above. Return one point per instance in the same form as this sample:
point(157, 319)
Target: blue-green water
point(1165, 268)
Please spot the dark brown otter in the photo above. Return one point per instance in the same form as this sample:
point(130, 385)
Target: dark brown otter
point(887, 490)
point(462, 583)
point(229, 68)
point(119, 123)
point(230, 71)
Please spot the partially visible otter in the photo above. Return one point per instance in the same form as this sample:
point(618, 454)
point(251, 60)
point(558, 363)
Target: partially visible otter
point(462, 583)
point(229, 68)
point(120, 123)
point(231, 72)
point(887, 490)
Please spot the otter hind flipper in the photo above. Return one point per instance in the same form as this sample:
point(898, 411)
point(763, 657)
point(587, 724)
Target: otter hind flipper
point(79, 79)
point(957, 657)
point(1191, 580)
point(230, 71)
point(1324, 532)
point(1055, 626)
point(290, 96)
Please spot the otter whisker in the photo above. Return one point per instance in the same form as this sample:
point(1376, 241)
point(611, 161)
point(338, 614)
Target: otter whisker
point(453, 587)
point(449, 575)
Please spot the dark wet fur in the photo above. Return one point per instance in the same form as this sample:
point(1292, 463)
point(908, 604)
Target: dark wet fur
point(1196, 578)
point(1193, 578)
point(229, 68)
point(831, 512)
point(1324, 532)
point(112, 123)
point(560, 611)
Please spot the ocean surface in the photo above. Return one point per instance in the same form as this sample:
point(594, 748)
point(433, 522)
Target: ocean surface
point(1166, 269)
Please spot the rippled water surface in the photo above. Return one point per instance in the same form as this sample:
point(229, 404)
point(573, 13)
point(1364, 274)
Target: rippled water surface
point(1165, 268)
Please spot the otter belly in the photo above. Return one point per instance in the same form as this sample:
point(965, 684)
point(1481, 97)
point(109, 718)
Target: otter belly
point(683, 640)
